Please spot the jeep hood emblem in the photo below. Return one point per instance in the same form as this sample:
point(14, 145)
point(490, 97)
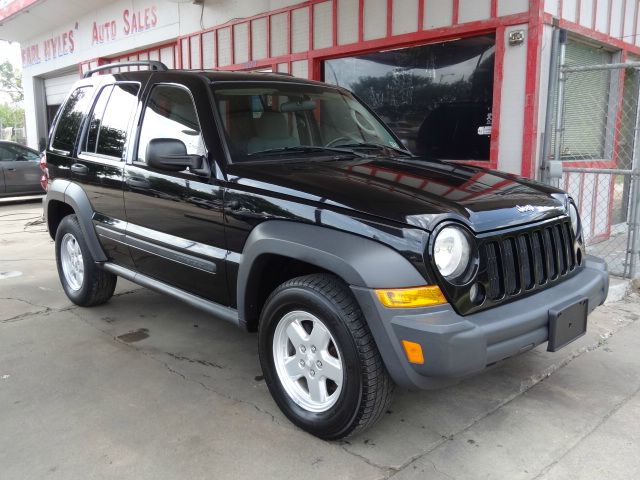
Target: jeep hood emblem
point(525, 208)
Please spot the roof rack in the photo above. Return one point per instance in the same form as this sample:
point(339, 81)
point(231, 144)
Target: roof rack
point(152, 64)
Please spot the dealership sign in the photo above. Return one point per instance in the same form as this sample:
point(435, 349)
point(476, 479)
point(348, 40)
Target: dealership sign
point(121, 24)
point(129, 23)
point(57, 45)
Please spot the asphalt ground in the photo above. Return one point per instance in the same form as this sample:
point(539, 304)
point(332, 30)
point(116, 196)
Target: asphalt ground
point(145, 387)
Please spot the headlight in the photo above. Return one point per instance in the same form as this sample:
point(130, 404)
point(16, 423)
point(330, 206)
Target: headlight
point(452, 252)
point(575, 218)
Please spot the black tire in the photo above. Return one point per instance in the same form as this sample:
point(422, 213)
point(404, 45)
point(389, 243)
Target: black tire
point(97, 285)
point(367, 388)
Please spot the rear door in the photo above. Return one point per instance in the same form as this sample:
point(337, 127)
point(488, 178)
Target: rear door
point(21, 169)
point(99, 163)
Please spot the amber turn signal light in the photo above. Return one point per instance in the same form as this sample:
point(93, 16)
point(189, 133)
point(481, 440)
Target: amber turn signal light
point(411, 297)
point(413, 351)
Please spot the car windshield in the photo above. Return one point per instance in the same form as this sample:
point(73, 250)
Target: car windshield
point(262, 120)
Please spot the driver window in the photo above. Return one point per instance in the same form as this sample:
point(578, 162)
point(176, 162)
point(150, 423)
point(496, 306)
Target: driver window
point(11, 153)
point(5, 155)
point(170, 113)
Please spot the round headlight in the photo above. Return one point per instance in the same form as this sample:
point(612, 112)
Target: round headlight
point(451, 252)
point(575, 218)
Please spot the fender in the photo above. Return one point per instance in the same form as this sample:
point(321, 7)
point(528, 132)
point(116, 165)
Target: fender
point(357, 260)
point(73, 195)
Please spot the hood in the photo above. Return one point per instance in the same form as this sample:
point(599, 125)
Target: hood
point(416, 192)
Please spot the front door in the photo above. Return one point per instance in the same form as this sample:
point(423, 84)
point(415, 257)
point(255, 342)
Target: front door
point(175, 218)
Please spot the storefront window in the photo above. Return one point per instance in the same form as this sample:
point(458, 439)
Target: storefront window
point(437, 98)
point(587, 109)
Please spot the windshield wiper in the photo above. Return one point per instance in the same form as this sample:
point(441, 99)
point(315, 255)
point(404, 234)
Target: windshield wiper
point(377, 146)
point(307, 149)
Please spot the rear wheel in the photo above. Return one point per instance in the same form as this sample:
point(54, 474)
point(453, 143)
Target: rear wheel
point(319, 358)
point(82, 280)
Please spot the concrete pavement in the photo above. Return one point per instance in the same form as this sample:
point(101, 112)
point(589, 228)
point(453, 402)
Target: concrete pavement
point(146, 387)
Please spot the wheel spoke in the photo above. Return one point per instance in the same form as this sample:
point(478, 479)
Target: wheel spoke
point(319, 336)
point(296, 333)
point(331, 368)
point(292, 367)
point(317, 389)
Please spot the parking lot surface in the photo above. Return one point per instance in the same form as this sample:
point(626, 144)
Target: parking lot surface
point(146, 387)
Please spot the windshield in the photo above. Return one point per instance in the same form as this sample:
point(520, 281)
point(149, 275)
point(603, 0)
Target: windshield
point(265, 119)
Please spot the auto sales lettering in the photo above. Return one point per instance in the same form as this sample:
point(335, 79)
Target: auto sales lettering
point(130, 23)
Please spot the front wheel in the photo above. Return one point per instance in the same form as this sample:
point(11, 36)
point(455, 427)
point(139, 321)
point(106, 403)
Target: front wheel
point(319, 358)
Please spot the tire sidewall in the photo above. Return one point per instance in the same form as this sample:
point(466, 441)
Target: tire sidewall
point(339, 418)
point(69, 224)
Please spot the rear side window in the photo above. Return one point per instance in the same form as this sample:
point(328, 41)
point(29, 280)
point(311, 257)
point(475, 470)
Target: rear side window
point(96, 118)
point(110, 118)
point(71, 119)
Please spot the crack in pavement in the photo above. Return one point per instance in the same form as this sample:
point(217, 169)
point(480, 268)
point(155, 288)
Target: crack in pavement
point(15, 318)
point(180, 374)
point(435, 469)
point(525, 387)
point(598, 424)
point(386, 470)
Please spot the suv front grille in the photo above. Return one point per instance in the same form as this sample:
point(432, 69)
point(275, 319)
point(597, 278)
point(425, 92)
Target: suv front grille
point(525, 261)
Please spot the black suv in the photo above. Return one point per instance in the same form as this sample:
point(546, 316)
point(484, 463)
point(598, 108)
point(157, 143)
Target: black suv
point(288, 208)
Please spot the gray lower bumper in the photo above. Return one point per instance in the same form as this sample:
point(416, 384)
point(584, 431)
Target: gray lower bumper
point(455, 346)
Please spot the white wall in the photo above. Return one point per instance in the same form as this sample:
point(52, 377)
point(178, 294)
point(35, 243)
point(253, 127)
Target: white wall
point(512, 104)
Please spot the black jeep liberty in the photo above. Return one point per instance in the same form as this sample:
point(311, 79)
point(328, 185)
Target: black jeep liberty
point(288, 208)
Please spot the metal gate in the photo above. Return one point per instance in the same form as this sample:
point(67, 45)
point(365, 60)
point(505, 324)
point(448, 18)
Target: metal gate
point(591, 148)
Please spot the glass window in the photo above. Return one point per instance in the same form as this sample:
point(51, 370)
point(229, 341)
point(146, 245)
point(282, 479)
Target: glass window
point(6, 155)
point(96, 118)
point(437, 98)
point(71, 119)
point(587, 133)
point(12, 153)
point(266, 118)
point(112, 112)
point(113, 129)
point(170, 113)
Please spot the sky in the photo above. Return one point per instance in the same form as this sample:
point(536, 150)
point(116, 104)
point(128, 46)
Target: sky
point(11, 52)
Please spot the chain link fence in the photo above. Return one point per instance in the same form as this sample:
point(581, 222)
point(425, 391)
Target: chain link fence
point(594, 138)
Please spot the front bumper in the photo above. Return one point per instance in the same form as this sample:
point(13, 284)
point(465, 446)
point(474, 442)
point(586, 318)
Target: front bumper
point(455, 346)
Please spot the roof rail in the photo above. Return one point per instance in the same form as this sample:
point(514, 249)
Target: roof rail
point(152, 64)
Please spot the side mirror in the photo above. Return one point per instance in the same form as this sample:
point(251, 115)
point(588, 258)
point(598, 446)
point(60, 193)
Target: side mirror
point(171, 154)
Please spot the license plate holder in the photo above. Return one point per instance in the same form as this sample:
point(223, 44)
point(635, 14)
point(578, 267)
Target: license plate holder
point(567, 322)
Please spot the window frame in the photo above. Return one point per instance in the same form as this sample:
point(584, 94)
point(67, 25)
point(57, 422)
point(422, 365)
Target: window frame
point(140, 122)
point(80, 132)
point(94, 156)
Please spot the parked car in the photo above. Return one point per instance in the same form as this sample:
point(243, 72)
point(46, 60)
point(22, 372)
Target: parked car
point(19, 170)
point(360, 265)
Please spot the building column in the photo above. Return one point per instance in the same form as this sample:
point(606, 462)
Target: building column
point(35, 112)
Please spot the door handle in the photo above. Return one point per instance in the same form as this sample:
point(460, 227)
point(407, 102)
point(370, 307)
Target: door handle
point(11, 169)
point(79, 168)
